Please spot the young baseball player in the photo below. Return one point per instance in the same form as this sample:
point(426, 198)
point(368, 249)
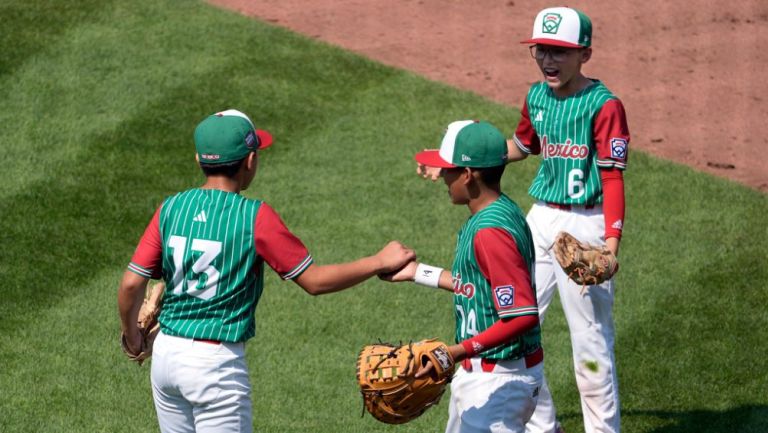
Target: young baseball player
point(497, 322)
point(209, 245)
point(580, 130)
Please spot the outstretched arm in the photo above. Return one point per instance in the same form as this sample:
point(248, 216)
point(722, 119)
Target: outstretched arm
point(318, 280)
point(422, 274)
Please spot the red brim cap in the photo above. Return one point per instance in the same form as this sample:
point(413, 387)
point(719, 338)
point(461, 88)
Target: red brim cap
point(265, 138)
point(431, 158)
point(553, 42)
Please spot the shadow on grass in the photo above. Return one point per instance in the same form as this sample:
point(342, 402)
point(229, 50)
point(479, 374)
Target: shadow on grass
point(742, 419)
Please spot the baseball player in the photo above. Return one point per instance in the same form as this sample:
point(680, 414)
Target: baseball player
point(580, 130)
point(497, 322)
point(209, 245)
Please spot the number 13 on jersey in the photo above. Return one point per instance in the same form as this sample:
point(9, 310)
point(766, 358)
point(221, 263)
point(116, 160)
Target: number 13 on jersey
point(206, 276)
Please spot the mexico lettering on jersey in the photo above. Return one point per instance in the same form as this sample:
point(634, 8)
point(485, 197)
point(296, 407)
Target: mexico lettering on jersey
point(210, 247)
point(493, 276)
point(576, 136)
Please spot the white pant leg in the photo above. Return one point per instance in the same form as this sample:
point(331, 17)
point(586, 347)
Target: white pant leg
point(200, 387)
point(490, 402)
point(541, 222)
point(590, 320)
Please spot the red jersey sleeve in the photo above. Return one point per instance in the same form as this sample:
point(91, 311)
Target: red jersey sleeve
point(281, 249)
point(147, 260)
point(525, 136)
point(611, 135)
point(503, 266)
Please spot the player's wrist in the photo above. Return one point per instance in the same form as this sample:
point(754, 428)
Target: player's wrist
point(427, 275)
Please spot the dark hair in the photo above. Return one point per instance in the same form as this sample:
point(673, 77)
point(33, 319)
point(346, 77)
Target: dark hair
point(228, 169)
point(491, 175)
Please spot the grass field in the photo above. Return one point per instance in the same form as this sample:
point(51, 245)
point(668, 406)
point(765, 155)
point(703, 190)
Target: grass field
point(99, 103)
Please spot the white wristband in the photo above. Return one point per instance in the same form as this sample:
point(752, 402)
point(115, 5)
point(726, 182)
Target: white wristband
point(427, 275)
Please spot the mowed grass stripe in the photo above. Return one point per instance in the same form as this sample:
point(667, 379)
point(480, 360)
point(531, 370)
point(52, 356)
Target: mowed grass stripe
point(341, 174)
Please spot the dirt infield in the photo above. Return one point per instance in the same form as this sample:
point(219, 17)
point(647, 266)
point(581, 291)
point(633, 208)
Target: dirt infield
point(689, 73)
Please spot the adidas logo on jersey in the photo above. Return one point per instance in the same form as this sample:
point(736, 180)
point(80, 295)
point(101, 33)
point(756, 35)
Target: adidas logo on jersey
point(539, 116)
point(618, 225)
point(200, 218)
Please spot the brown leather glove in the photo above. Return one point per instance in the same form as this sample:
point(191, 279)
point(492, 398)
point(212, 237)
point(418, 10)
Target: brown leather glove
point(386, 374)
point(583, 263)
point(147, 323)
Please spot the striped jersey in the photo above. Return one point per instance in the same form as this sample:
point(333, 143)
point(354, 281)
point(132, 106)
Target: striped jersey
point(493, 276)
point(576, 136)
point(210, 247)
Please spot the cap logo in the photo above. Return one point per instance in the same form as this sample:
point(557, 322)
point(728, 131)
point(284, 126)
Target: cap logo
point(551, 23)
point(250, 140)
point(210, 156)
point(465, 158)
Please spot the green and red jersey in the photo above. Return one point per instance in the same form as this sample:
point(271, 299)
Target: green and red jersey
point(210, 247)
point(576, 136)
point(493, 277)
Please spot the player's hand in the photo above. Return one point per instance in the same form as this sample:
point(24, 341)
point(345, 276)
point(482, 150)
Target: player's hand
point(406, 273)
point(133, 341)
point(432, 173)
point(456, 351)
point(394, 256)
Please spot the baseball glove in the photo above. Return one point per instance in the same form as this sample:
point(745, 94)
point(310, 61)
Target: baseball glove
point(386, 374)
point(148, 324)
point(583, 263)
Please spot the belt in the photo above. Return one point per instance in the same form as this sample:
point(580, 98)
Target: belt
point(567, 207)
point(206, 341)
point(488, 365)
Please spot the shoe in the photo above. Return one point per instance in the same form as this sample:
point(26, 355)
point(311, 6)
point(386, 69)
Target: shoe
point(559, 428)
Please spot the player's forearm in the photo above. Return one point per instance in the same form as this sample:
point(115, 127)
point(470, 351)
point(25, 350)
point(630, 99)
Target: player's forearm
point(513, 152)
point(319, 280)
point(499, 333)
point(129, 299)
point(613, 245)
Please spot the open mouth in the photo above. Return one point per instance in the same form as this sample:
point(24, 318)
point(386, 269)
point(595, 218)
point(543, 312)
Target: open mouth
point(551, 73)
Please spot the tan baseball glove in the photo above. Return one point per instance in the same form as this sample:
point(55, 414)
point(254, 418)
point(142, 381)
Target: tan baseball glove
point(583, 263)
point(148, 324)
point(386, 374)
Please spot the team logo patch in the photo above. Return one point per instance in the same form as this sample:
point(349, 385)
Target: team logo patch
point(505, 296)
point(441, 355)
point(551, 23)
point(209, 156)
point(250, 140)
point(618, 148)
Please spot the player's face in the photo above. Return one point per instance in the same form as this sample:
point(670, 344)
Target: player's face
point(454, 178)
point(560, 66)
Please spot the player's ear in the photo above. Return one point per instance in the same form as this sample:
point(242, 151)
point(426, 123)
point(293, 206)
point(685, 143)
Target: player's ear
point(251, 161)
point(467, 175)
point(586, 54)
point(197, 158)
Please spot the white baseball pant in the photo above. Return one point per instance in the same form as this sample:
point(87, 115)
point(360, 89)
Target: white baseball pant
point(589, 317)
point(497, 402)
point(200, 387)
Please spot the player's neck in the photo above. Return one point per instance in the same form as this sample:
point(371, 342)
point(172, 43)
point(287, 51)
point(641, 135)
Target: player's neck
point(222, 183)
point(486, 197)
point(573, 86)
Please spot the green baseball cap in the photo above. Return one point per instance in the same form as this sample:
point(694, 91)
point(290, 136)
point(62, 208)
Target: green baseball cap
point(468, 143)
point(228, 136)
point(561, 27)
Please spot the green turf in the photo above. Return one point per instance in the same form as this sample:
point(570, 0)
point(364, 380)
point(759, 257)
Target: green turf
point(100, 100)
